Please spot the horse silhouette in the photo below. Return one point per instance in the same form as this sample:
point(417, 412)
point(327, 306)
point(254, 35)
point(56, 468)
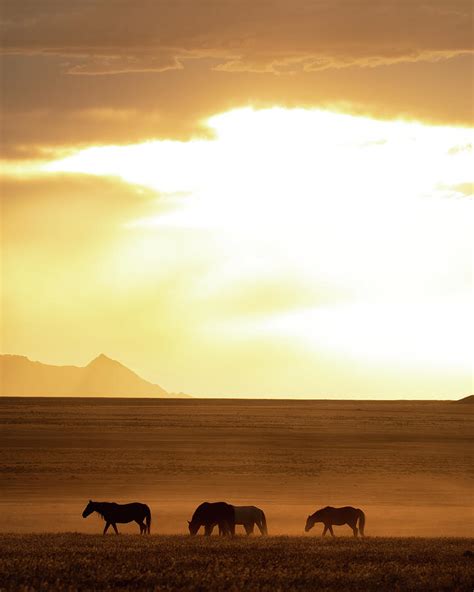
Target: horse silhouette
point(210, 514)
point(114, 514)
point(248, 517)
point(337, 516)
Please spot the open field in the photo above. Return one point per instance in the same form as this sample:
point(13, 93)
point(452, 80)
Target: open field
point(407, 464)
point(84, 562)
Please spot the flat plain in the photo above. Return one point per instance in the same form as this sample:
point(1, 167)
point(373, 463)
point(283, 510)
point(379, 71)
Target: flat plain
point(408, 465)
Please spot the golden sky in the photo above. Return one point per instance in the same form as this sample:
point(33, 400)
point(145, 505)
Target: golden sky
point(238, 198)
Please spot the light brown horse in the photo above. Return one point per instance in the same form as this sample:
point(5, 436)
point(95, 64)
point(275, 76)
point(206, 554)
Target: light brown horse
point(337, 516)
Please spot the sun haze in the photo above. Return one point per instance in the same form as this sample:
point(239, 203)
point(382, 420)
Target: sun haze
point(242, 215)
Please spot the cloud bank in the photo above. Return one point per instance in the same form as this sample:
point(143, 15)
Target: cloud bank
point(245, 35)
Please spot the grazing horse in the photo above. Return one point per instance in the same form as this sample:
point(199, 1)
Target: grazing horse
point(337, 516)
point(210, 514)
point(114, 513)
point(248, 517)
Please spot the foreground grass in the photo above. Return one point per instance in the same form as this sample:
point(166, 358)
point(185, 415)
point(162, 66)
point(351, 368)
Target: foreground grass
point(73, 562)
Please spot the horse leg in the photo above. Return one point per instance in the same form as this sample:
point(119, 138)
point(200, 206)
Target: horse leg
point(249, 528)
point(208, 528)
point(361, 518)
point(261, 528)
point(325, 529)
point(354, 529)
point(141, 525)
point(228, 528)
point(331, 531)
point(106, 527)
point(114, 526)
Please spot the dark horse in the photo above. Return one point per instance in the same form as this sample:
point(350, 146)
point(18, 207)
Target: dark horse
point(208, 515)
point(114, 513)
point(337, 516)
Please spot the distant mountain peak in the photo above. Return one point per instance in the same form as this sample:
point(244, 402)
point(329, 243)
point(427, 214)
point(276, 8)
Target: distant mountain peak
point(103, 376)
point(102, 360)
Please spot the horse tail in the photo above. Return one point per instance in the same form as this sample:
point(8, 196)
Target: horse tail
point(148, 519)
point(264, 523)
point(361, 522)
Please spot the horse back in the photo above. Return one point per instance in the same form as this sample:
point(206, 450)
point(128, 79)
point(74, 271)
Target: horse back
point(339, 516)
point(125, 512)
point(212, 513)
point(247, 513)
point(133, 506)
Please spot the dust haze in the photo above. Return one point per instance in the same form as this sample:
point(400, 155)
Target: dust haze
point(408, 465)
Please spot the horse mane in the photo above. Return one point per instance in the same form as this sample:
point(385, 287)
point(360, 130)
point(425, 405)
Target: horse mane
point(320, 510)
point(199, 510)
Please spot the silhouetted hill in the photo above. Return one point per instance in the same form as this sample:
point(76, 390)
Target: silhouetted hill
point(468, 399)
point(20, 376)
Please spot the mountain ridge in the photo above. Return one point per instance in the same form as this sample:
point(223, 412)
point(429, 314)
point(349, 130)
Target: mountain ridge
point(101, 377)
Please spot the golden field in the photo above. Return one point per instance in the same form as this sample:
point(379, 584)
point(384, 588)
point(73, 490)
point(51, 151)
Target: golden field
point(75, 562)
point(408, 465)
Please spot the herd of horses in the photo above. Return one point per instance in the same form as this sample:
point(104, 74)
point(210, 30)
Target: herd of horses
point(225, 516)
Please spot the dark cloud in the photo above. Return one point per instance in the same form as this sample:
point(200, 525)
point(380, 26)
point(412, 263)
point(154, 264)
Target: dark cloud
point(144, 35)
point(46, 110)
point(161, 68)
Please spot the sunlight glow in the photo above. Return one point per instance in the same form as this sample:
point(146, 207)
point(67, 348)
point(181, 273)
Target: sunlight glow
point(370, 212)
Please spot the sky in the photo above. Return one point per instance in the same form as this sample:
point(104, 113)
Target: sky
point(265, 198)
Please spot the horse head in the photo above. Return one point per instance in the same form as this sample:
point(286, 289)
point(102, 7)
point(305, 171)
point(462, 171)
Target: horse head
point(311, 521)
point(316, 517)
point(193, 527)
point(89, 509)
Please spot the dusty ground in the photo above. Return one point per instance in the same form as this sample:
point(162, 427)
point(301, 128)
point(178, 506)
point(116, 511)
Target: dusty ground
point(408, 465)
